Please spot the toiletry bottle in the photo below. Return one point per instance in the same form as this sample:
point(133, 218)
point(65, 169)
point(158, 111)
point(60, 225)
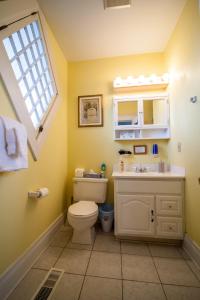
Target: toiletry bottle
point(161, 166)
point(121, 166)
point(155, 150)
point(103, 169)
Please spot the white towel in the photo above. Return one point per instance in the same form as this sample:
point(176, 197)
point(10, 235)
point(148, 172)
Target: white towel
point(13, 145)
point(11, 141)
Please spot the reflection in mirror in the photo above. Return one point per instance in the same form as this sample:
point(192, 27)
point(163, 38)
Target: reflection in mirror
point(154, 112)
point(128, 113)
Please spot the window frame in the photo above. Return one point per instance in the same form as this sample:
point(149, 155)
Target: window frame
point(35, 136)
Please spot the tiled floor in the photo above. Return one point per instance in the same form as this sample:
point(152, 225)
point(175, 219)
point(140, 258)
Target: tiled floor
point(113, 270)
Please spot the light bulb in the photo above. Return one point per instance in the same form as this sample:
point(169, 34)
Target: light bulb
point(141, 79)
point(165, 77)
point(117, 81)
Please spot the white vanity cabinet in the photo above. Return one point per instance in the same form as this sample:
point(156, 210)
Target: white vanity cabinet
point(146, 207)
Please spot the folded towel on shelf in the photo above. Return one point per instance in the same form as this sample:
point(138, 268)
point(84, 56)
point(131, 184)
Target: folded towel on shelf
point(13, 145)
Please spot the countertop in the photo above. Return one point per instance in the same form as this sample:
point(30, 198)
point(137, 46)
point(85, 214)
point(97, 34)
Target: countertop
point(149, 175)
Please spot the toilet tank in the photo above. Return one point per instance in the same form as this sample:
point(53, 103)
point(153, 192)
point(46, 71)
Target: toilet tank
point(90, 189)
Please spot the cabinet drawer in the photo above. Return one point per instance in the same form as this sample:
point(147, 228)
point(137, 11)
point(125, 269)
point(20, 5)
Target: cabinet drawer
point(148, 186)
point(169, 227)
point(169, 205)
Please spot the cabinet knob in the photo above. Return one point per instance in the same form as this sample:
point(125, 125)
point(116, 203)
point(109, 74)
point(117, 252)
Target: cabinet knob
point(169, 206)
point(152, 212)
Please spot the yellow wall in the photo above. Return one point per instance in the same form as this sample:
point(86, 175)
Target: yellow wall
point(183, 61)
point(22, 220)
point(89, 147)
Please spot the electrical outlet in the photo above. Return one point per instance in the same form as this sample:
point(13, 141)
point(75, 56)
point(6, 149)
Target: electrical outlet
point(179, 146)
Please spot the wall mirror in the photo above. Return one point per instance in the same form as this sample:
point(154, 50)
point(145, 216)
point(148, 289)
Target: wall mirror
point(155, 111)
point(128, 113)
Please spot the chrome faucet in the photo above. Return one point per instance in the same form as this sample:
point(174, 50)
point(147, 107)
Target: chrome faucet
point(141, 169)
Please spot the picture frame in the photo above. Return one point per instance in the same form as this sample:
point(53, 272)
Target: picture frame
point(90, 111)
point(140, 149)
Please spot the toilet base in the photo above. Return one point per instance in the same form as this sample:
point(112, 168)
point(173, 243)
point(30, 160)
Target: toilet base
point(84, 237)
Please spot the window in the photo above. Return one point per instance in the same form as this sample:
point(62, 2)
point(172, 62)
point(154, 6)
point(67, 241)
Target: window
point(27, 74)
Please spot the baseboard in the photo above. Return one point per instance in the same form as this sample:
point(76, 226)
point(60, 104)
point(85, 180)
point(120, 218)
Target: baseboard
point(17, 270)
point(192, 249)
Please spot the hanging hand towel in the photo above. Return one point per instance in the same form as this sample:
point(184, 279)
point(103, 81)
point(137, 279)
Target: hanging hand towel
point(11, 141)
point(13, 145)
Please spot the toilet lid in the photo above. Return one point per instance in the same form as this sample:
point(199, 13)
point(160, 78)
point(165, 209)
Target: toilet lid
point(83, 208)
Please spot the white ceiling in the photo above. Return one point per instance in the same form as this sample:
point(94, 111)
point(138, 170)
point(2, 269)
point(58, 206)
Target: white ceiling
point(86, 31)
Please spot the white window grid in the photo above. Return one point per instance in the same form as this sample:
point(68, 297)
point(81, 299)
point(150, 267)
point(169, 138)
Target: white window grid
point(29, 60)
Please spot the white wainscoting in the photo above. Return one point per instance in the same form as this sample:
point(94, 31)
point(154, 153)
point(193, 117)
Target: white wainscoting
point(192, 249)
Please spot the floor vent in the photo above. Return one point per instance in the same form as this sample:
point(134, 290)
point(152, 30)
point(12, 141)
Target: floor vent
point(48, 285)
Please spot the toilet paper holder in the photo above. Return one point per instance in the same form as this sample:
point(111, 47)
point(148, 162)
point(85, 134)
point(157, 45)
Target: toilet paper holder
point(42, 192)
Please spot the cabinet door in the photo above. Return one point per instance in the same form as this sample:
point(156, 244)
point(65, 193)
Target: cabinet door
point(135, 215)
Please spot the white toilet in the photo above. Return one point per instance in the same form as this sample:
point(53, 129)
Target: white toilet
point(83, 214)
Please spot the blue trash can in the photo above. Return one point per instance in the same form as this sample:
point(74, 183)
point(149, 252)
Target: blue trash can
point(106, 215)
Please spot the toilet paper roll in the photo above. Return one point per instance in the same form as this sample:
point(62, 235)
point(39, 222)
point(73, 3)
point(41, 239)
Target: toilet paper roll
point(43, 192)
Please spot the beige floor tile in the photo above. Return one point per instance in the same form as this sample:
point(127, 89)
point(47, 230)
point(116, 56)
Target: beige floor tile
point(174, 292)
point(175, 271)
point(194, 268)
point(68, 287)
point(95, 288)
point(139, 268)
point(184, 254)
point(48, 258)
point(135, 248)
point(74, 261)
point(105, 265)
point(79, 246)
point(61, 238)
point(28, 286)
point(106, 243)
point(133, 290)
point(165, 251)
point(66, 228)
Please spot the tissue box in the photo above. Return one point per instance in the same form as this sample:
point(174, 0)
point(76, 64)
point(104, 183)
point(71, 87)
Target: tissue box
point(79, 172)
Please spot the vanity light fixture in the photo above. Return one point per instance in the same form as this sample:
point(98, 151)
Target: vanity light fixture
point(116, 4)
point(141, 80)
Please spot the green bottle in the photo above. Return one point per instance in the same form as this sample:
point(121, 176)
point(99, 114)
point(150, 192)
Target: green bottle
point(103, 169)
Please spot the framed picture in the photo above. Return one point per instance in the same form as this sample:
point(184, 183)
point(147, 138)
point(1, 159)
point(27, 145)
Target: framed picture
point(90, 111)
point(140, 149)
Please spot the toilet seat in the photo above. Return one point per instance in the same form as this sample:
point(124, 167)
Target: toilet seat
point(83, 209)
